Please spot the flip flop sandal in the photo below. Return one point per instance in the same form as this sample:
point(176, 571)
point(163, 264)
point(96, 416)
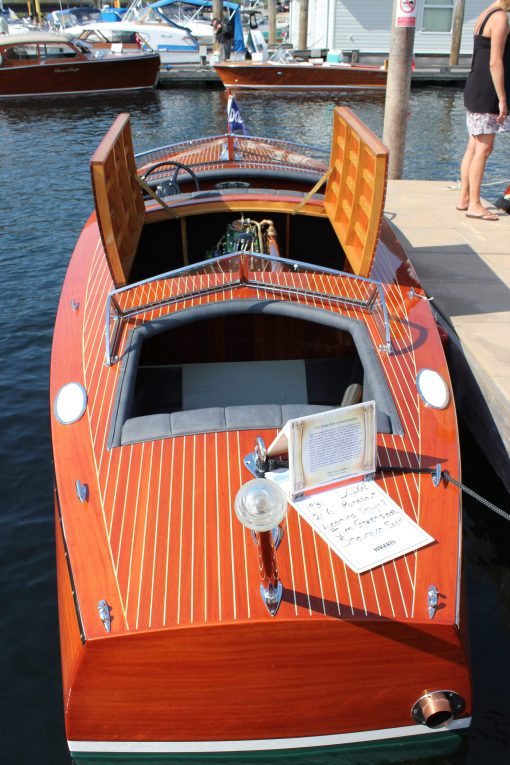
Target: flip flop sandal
point(485, 216)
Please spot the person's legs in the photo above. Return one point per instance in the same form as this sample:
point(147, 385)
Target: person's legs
point(463, 202)
point(483, 145)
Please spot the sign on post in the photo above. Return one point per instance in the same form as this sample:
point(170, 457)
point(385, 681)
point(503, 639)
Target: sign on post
point(406, 13)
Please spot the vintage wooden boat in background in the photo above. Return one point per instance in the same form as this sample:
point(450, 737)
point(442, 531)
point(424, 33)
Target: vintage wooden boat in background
point(300, 75)
point(42, 63)
point(236, 296)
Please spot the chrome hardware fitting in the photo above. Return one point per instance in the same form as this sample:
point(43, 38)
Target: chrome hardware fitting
point(260, 449)
point(82, 491)
point(436, 475)
point(433, 600)
point(245, 269)
point(412, 294)
point(256, 461)
point(272, 596)
point(74, 304)
point(104, 614)
point(250, 462)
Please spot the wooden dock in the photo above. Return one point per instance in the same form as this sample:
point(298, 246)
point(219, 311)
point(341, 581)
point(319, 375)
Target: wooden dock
point(464, 265)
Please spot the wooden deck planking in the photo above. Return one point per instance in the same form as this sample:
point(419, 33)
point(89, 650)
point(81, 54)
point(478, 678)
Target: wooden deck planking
point(149, 589)
point(130, 565)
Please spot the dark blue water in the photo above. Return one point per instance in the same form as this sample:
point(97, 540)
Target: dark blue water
point(45, 146)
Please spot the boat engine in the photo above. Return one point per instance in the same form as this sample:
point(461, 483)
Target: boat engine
point(247, 235)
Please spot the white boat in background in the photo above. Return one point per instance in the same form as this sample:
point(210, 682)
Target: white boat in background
point(196, 18)
point(195, 15)
point(11, 24)
point(174, 44)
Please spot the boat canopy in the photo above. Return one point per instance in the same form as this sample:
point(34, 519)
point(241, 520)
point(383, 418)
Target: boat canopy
point(238, 41)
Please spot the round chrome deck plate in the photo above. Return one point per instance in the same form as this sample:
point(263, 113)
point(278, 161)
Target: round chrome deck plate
point(70, 403)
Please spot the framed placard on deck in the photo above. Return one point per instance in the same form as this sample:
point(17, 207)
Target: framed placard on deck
point(328, 447)
point(328, 455)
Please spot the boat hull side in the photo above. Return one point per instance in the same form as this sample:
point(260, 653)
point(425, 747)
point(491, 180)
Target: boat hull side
point(71, 634)
point(300, 77)
point(130, 73)
point(418, 742)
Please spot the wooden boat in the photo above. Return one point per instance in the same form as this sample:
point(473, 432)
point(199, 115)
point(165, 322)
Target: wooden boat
point(42, 63)
point(300, 75)
point(187, 315)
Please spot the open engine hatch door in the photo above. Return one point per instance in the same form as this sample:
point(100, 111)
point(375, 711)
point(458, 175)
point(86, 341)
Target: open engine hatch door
point(119, 203)
point(356, 189)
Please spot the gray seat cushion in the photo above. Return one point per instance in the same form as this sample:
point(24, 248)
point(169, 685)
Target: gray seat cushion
point(213, 420)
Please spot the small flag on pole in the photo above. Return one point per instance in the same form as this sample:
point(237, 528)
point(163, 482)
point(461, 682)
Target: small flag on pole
point(235, 120)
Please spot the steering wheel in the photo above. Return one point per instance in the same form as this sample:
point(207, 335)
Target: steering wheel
point(170, 185)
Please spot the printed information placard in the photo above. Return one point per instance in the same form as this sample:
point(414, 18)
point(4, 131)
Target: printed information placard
point(328, 447)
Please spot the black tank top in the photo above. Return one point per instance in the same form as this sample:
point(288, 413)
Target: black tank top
point(480, 94)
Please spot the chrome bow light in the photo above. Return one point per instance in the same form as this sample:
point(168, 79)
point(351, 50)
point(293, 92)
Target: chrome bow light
point(261, 505)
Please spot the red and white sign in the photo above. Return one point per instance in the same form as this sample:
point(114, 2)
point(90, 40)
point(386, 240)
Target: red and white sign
point(406, 13)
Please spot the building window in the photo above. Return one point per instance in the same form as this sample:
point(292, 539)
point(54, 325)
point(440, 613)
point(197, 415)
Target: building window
point(437, 16)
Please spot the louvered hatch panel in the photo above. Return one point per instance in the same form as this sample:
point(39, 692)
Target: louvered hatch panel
point(119, 204)
point(356, 189)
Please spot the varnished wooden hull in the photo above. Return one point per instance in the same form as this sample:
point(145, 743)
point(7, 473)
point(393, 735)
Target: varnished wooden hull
point(93, 76)
point(296, 76)
point(193, 663)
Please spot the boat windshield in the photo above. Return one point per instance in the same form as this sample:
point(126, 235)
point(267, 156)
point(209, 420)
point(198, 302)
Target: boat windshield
point(276, 277)
point(282, 55)
point(73, 17)
point(148, 16)
point(182, 12)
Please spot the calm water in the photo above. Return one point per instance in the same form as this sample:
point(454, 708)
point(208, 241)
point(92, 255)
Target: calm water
point(45, 146)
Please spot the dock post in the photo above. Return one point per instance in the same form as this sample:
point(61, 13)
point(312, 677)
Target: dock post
point(398, 86)
point(271, 12)
point(303, 25)
point(458, 20)
point(217, 9)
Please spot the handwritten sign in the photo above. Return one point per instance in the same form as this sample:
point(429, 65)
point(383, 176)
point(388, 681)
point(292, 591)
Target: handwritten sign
point(361, 524)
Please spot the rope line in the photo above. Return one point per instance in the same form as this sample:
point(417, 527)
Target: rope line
point(447, 477)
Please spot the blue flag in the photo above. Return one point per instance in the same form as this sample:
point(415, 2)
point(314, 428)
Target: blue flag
point(235, 120)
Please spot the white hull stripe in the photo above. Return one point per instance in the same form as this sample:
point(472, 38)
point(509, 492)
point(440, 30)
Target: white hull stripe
point(189, 747)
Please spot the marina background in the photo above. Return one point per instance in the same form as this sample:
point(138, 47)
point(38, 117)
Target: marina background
point(45, 147)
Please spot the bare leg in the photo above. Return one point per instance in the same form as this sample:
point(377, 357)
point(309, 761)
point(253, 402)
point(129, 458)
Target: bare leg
point(463, 202)
point(483, 145)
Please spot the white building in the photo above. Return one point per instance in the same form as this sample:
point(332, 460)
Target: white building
point(365, 25)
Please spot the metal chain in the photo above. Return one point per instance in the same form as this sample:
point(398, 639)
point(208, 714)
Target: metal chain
point(447, 477)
